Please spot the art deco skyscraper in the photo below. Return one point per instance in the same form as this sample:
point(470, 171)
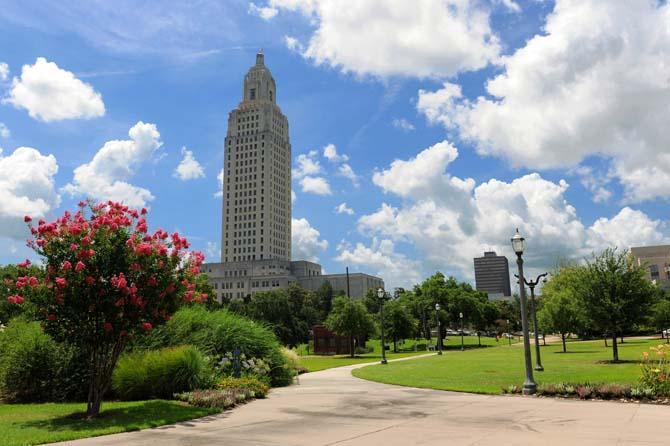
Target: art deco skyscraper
point(257, 174)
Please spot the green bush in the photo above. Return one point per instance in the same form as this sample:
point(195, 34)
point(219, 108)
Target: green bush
point(160, 373)
point(217, 332)
point(254, 385)
point(34, 368)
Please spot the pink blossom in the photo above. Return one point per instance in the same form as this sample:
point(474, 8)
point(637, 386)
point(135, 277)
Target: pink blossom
point(90, 280)
point(79, 266)
point(61, 282)
point(73, 247)
point(25, 264)
point(51, 317)
point(108, 327)
point(15, 299)
point(40, 242)
point(147, 326)
point(66, 266)
point(27, 219)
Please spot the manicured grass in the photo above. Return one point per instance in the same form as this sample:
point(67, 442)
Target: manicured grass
point(488, 370)
point(28, 424)
point(315, 363)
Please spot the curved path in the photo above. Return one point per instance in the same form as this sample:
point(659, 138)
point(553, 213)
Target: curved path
point(332, 407)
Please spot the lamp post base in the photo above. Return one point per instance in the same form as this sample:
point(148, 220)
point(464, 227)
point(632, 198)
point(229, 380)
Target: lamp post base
point(529, 388)
point(384, 361)
point(439, 352)
point(539, 368)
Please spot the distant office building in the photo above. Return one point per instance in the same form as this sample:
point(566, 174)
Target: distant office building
point(492, 275)
point(657, 261)
point(256, 205)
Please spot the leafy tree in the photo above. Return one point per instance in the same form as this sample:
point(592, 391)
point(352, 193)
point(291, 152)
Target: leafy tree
point(562, 311)
point(485, 318)
point(324, 297)
point(290, 313)
point(660, 316)
point(106, 281)
point(371, 301)
point(615, 293)
point(398, 322)
point(350, 318)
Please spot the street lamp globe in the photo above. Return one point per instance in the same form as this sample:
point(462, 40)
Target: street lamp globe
point(518, 243)
point(437, 307)
point(460, 315)
point(380, 293)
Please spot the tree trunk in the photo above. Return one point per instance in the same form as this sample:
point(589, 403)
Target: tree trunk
point(479, 338)
point(615, 348)
point(622, 339)
point(606, 342)
point(351, 346)
point(395, 344)
point(544, 339)
point(102, 362)
point(563, 339)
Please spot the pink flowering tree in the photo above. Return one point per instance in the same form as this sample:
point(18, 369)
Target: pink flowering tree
point(106, 280)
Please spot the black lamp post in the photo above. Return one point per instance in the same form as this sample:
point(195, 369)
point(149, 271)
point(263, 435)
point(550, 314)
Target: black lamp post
point(531, 284)
point(529, 385)
point(439, 329)
point(381, 294)
point(460, 315)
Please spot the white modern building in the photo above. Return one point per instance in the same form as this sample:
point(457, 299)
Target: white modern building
point(256, 209)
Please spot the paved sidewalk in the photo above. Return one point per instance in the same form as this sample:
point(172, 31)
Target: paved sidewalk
point(332, 407)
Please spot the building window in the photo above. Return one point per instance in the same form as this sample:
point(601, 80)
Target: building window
point(252, 94)
point(653, 271)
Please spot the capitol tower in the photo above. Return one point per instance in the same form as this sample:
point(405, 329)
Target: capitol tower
point(257, 174)
point(256, 208)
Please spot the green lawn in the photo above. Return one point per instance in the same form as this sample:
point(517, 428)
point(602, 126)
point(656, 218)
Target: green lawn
point(488, 370)
point(315, 363)
point(27, 424)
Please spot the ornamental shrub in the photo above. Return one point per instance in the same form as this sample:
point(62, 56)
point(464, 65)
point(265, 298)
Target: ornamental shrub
point(34, 368)
point(106, 280)
point(258, 388)
point(160, 373)
point(216, 333)
point(215, 399)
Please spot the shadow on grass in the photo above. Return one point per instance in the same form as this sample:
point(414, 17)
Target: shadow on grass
point(620, 361)
point(561, 352)
point(148, 414)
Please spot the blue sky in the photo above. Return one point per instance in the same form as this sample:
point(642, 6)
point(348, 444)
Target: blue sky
point(460, 121)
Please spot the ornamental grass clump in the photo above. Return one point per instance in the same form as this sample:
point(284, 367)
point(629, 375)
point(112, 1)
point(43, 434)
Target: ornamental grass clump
point(656, 370)
point(106, 280)
point(160, 373)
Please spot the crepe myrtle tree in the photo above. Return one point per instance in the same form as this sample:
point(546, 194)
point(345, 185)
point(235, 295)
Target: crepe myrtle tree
point(106, 279)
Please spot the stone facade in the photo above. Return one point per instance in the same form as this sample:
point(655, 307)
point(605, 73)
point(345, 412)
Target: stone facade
point(657, 261)
point(256, 209)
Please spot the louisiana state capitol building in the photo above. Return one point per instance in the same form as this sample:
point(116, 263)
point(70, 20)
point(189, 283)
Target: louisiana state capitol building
point(256, 208)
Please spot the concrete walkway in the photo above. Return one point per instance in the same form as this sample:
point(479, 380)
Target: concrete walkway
point(332, 407)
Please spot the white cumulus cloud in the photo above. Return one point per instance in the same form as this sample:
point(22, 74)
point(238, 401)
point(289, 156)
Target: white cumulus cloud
point(330, 153)
point(381, 259)
point(264, 12)
point(305, 240)
point(449, 220)
point(342, 208)
point(593, 83)
point(423, 38)
point(403, 124)
point(315, 185)
point(50, 93)
point(4, 71)
point(189, 168)
point(307, 164)
point(106, 176)
point(27, 187)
